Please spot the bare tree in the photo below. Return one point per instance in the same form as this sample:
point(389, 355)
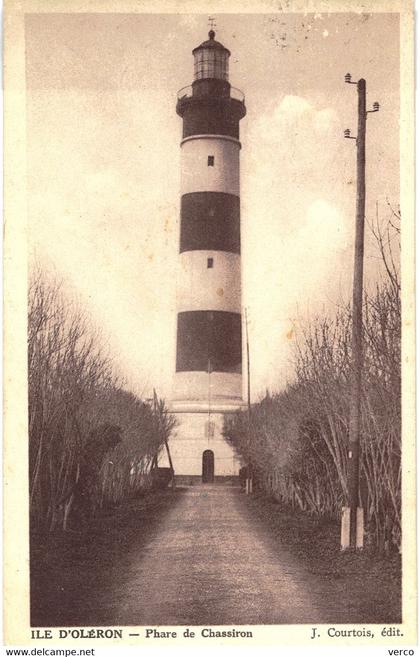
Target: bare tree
point(79, 412)
point(297, 440)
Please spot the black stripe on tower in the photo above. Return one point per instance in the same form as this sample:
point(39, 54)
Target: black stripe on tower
point(210, 221)
point(211, 119)
point(209, 339)
point(210, 110)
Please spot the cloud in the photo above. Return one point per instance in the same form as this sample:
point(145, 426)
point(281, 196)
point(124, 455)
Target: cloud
point(297, 235)
point(291, 105)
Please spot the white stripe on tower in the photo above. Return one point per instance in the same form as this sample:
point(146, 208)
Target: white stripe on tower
point(198, 176)
point(203, 288)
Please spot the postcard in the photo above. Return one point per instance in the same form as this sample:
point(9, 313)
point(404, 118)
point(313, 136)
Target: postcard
point(209, 324)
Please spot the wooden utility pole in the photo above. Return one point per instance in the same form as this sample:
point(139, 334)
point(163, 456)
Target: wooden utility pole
point(248, 482)
point(248, 367)
point(357, 325)
point(353, 537)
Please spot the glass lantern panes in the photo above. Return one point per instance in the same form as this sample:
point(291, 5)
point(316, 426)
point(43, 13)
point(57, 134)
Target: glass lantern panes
point(211, 63)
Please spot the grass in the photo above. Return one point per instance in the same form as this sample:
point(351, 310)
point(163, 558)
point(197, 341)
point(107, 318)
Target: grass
point(372, 579)
point(66, 567)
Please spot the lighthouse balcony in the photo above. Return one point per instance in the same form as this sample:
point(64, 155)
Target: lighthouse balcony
point(225, 90)
point(211, 93)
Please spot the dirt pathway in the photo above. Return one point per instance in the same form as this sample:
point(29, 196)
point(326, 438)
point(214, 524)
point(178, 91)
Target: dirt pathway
point(208, 563)
point(204, 555)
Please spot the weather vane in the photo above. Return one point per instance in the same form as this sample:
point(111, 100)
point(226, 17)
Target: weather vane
point(212, 22)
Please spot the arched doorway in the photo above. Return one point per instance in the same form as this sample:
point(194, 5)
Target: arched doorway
point(208, 467)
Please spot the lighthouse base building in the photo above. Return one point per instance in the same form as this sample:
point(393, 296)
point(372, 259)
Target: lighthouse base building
point(200, 452)
point(208, 374)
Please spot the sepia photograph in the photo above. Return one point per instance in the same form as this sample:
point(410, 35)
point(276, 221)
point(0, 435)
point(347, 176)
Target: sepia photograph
point(215, 246)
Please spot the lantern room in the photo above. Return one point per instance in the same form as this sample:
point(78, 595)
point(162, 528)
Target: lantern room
point(211, 60)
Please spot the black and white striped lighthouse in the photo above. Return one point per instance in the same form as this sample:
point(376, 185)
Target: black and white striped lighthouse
point(208, 377)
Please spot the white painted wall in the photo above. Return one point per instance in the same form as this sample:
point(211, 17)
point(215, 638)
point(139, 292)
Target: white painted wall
point(200, 288)
point(197, 176)
point(189, 441)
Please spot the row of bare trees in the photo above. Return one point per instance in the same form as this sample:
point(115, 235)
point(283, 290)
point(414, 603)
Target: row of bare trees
point(296, 441)
point(91, 442)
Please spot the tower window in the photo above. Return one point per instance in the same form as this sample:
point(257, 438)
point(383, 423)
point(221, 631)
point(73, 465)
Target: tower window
point(210, 161)
point(210, 263)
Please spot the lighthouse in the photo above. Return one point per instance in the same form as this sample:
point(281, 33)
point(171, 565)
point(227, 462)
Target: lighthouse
point(208, 369)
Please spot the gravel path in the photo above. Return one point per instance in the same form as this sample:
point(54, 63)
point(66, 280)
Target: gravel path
point(204, 555)
point(208, 563)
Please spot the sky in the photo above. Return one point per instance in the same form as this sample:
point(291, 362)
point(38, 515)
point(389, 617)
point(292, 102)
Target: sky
point(103, 169)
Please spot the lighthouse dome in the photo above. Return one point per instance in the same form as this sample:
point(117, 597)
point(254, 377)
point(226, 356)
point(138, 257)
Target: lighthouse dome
point(211, 60)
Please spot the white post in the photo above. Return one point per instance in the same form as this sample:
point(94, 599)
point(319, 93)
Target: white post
point(360, 528)
point(345, 527)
